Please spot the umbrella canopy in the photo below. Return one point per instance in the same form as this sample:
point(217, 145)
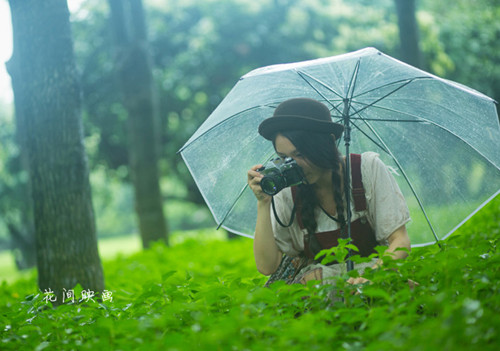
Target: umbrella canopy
point(440, 138)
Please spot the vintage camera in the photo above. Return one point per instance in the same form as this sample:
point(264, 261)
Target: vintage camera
point(279, 174)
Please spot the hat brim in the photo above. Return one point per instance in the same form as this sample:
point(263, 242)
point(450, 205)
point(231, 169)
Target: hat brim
point(270, 126)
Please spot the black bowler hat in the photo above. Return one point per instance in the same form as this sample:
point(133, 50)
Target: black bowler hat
point(300, 114)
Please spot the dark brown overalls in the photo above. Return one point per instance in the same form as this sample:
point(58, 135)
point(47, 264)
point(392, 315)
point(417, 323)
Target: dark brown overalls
point(362, 234)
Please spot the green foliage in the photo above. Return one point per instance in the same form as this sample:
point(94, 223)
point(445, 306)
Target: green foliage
point(206, 294)
point(112, 199)
point(464, 44)
point(336, 253)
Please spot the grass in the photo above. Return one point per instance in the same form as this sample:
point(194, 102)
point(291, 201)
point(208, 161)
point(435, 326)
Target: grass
point(204, 293)
point(109, 249)
point(8, 269)
point(441, 218)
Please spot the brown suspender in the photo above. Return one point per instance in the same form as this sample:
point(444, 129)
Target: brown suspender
point(358, 191)
point(362, 234)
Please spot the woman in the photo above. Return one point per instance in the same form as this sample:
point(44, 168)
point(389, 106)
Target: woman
point(303, 130)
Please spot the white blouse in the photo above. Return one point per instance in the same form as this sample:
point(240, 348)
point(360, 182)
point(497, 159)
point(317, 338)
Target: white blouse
point(386, 208)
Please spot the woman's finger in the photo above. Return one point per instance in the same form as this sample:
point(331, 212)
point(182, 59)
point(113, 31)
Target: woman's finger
point(358, 280)
point(253, 174)
point(254, 178)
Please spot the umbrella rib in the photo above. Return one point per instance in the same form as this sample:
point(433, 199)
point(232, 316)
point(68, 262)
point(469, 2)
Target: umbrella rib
point(409, 114)
point(337, 107)
point(198, 185)
point(354, 78)
point(236, 200)
point(407, 81)
point(423, 101)
point(222, 122)
point(387, 149)
point(472, 214)
point(387, 120)
point(383, 97)
point(418, 120)
point(232, 206)
point(303, 75)
point(425, 120)
point(369, 137)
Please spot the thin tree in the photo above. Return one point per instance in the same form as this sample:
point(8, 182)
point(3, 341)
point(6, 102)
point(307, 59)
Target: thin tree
point(133, 68)
point(408, 32)
point(48, 105)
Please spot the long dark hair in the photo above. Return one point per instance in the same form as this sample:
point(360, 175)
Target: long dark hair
point(322, 151)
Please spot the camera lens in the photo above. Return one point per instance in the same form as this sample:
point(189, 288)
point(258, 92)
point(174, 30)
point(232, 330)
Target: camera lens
point(272, 185)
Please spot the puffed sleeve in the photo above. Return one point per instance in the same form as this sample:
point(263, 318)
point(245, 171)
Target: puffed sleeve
point(289, 239)
point(386, 206)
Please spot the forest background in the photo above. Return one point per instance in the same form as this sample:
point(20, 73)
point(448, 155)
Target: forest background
point(196, 51)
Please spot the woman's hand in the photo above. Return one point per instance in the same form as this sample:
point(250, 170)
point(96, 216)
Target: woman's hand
point(266, 252)
point(358, 281)
point(254, 179)
point(398, 239)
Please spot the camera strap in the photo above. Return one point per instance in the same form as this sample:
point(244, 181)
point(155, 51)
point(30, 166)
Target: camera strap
point(292, 217)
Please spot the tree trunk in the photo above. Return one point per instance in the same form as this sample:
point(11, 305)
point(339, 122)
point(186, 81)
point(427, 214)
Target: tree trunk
point(136, 83)
point(408, 32)
point(48, 102)
point(22, 233)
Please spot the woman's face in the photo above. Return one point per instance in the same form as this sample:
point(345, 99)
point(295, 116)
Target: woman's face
point(313, 173)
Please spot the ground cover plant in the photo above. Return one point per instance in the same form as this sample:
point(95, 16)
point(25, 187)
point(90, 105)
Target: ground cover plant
point(206, 294)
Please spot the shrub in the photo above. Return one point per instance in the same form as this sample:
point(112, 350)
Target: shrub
point(206, 294)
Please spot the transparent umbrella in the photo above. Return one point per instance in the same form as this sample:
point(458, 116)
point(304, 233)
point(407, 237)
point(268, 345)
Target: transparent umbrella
point(440, 139)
